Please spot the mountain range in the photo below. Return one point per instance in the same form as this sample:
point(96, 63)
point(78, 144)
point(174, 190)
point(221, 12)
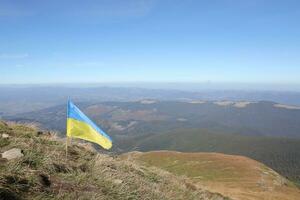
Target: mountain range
point(16, 99)
point(153, 116)
point(264, 131)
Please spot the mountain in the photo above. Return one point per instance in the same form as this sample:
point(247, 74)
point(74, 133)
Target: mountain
point(237, 177)
point(265, 131)
point(42, 171)
point(152, 116)
point(281, 154)
point(17, 99)
point(20, 99)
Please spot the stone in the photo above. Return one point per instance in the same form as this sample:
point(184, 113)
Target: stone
point(4, 135)
point(12, 154)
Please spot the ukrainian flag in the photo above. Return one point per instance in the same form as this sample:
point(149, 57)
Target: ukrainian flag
point(80, 126)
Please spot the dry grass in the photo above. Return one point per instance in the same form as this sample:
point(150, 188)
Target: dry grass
point(234, 176)
point(45, 173)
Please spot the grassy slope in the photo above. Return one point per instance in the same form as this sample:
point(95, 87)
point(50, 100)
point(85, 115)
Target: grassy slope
point(234, 176)
point(44, 173)
point(281, 154)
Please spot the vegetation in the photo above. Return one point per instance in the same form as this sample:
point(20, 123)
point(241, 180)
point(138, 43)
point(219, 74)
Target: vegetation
point(45, 173)
point(234, 176)
point(281, 154)
point(257, 130)
point(261, 118)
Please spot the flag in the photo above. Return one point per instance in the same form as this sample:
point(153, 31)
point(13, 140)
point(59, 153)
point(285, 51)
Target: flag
point(80, 126)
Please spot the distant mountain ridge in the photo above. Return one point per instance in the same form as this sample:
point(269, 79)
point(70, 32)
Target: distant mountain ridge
point(20, 99)
point(138, 117)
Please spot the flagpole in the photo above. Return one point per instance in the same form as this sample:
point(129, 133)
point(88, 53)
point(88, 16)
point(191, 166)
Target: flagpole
point(67, 141)
point(67, 138)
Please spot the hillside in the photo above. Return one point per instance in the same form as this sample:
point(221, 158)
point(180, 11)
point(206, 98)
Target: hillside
point(264, 131)
point(235, 176)
point(281, 154)
point(41, 171)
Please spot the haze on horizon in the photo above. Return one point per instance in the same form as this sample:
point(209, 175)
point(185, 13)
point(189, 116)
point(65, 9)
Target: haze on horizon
point(151, 41)
point(169, 86)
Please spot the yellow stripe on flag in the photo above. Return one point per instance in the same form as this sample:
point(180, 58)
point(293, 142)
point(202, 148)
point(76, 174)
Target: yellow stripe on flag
point(82, 130)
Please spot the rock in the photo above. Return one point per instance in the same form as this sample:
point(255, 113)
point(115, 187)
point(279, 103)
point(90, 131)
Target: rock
point(4, 135)
point(12, 154)
point(117, 181)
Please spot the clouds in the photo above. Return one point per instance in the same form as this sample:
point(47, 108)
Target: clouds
point(13, 56)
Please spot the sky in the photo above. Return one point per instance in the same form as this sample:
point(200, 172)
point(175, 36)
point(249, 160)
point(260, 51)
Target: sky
point(99, 41)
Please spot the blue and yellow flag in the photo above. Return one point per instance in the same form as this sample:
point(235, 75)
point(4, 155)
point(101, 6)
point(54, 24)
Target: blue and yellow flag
point(80, 126)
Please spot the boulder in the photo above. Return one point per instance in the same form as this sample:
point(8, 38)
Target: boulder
point(12, 154)
point(4, 135)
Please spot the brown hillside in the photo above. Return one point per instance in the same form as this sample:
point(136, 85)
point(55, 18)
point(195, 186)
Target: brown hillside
point(237, 177)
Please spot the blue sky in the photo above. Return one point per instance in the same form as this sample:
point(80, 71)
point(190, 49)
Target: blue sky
point(72, 41)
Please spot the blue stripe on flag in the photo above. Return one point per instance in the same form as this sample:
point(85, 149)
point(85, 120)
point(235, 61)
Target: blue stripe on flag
point(75, 113)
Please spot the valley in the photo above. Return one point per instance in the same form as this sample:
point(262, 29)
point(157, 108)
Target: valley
point(262, 131)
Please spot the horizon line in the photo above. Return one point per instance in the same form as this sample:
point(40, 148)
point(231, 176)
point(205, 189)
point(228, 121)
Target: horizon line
point(172, 85)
